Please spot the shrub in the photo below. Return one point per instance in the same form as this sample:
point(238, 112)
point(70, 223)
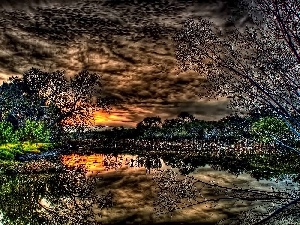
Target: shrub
point(33, 131)
point(36, 151)
point(6, 155)
point(7, 134)
point(46, 146)
point(266, 127)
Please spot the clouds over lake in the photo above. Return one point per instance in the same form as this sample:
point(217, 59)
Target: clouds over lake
point(128, 42)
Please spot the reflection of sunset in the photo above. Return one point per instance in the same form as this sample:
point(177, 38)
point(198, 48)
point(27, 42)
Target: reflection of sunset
point(96, 162)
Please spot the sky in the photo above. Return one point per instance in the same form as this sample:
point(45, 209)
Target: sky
point(128, 42)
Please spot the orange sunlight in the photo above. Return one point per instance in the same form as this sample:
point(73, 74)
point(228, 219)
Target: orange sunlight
point(103, 117)
point(96, 162)
point(99, 117)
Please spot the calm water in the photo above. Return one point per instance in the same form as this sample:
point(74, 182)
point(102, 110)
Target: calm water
point(144, 189)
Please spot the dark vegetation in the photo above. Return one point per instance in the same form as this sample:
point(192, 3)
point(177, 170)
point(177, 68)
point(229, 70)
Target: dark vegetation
point(260, 72)
point(231, 129)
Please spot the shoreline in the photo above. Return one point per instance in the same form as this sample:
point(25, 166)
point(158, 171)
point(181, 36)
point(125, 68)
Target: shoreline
point(50, 160)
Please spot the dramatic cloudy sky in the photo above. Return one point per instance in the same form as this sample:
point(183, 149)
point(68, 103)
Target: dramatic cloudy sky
point(129, 42)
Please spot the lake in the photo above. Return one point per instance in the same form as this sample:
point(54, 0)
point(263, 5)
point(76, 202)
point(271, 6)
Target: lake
point(151, 189)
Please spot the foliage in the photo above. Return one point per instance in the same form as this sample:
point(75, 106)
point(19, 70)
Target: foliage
point(34, 132)
point(52, 98)
point(22, 139)
point(9, 151)
point(6, 133)
point(256, 66)
point(16, 149)
point(267, 128)
point(6, 155)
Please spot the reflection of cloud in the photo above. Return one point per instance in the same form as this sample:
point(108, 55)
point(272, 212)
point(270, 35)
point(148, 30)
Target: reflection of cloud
point(129, 44)
point(134, 192)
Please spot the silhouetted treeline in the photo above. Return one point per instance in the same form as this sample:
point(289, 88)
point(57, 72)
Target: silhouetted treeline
point(186, 126)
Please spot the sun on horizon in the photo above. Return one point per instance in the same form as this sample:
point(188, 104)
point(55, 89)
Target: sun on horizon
point(104, 118)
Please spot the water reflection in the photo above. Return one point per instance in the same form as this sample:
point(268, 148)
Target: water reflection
point(58, 198)
point(209, 178)
point(96, 163)
point(146, 188)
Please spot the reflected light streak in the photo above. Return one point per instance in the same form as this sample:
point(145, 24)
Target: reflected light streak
point(97, 162)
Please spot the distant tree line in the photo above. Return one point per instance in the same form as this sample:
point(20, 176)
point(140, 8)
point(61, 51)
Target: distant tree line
point(258, 125)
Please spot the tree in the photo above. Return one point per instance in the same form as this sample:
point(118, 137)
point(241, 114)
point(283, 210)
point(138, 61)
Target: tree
point(195, 128)
point(268, 127)
point(169, 126)
point(185, 117)
point(149, 122)
point(170, 123)
point(282, 18)
point(33, 131)
point(6, 133)
point(53, 99)
point(233, 126)
point(13, 121)
point(149, 127)
point(257, 67)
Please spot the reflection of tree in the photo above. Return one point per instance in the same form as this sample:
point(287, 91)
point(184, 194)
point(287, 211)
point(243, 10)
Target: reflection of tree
point(280, 205)
point(150, 162)
point(112, 161)
point(186, 164)
point(62, 198)
point(259, 166)
point(233, 165)
point(175, 193)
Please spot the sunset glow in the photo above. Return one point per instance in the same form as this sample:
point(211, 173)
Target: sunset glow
point(96, 162)
point(138, 68)
point(100, 117)
point(103, 118)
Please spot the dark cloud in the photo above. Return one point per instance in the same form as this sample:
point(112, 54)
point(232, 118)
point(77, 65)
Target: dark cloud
point(128, 42)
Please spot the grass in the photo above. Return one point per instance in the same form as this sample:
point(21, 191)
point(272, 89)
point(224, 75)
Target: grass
point(9, 150)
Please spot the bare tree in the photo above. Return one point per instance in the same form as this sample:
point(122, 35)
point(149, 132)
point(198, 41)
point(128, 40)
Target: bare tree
point(257, 67)
point(282, 18)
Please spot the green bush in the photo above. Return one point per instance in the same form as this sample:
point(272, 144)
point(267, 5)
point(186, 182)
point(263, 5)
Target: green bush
point(6, 155)
point(33, 131)
point(7, 134)
point(266, 127)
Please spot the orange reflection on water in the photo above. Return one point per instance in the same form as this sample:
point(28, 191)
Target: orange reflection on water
point(95, 162)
